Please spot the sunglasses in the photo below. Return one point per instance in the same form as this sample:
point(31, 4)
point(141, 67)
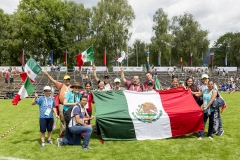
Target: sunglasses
point(77, 87)
point(68, 79)
point(47, 91)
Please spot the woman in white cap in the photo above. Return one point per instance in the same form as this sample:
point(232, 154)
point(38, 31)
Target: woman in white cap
point(46, 106)
point(117, 83)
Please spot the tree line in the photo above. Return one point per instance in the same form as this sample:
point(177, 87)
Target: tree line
point(39, 27)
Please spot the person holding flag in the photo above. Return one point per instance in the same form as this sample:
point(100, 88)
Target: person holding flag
point(47, 107)
point(62, 89)
point(133, 85)
point(107, 85)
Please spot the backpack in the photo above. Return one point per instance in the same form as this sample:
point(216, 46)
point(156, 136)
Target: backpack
point(67, 114)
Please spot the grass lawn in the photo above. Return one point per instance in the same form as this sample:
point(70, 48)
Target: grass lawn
point(24, 141)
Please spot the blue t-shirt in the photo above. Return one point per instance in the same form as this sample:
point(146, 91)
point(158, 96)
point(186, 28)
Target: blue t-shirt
point(45, 103)
point(206, 99)
point(72, 98)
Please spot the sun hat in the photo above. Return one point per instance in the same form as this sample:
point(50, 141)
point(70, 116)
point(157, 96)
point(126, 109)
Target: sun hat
point(47, 88)
point(75, 84)
point(117, 80)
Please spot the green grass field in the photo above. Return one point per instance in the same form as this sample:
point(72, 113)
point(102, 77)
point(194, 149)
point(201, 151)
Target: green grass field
point(23, 142)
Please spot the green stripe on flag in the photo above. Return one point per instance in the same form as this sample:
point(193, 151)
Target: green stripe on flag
point(157, 84)
point(113, 117)
point(90, 54)
point(29, 87)
point(32, 64)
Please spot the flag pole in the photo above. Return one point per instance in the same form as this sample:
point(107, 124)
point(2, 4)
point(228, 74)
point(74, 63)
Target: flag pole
point(66, 62)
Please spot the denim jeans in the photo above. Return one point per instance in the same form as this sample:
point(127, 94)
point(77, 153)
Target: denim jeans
point(220, 120)
point(68, 134)
point(77, 130)
point(210, 126)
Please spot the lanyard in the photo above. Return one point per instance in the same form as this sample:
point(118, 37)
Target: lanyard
point(75, 98)
point(46, 102)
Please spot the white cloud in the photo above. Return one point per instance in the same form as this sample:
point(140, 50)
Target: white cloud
point(216, 16)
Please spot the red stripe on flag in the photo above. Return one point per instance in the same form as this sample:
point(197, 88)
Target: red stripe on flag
point(189, 117)
point(79, 60)
point(16, 99)
point(23, 76)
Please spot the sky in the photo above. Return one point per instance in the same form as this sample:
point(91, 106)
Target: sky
point(216, 16)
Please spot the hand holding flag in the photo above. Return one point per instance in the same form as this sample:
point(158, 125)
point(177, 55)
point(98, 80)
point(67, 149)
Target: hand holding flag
point(120, 59)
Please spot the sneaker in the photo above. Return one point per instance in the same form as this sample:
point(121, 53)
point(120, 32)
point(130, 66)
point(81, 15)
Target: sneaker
point(199, 138)
point(59, 142)
point(50, 141)
point(43, 145)
point(87, 147)
point(220, 132)
point(210, 137)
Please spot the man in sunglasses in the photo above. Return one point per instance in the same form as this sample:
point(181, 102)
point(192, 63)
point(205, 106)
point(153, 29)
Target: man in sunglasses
point(62, 89)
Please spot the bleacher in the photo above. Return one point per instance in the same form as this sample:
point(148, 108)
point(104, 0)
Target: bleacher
point(164, 77)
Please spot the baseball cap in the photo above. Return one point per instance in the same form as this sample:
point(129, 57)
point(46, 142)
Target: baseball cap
point(47, 88)
point(66, 77)
point(205, 76)
point(150, 83)
point(117, 80)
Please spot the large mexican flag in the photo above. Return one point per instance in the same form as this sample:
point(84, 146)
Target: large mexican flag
point(128, 115)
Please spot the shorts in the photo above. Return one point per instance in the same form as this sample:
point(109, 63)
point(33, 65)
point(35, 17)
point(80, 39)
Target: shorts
point(46, 123)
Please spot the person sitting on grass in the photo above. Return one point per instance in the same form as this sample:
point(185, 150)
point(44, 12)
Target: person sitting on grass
point(47, 106)
point(77, 126)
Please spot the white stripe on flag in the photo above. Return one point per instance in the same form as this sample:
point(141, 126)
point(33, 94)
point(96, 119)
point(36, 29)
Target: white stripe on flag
point(30, 73)
point(23, 92)
point(159, 129)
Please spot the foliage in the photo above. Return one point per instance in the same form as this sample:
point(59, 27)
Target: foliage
point(188, 38)
point(110, 23)
point(227, 45)
point(161, 42)
point(24, 140)
point(66, 26)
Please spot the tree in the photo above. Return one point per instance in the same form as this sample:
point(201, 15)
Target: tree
point(162, 40)
point(42, 27)
point(110, 23)
point(78, 33)
point(227, 45)
point(9, 39)
point(188, 38)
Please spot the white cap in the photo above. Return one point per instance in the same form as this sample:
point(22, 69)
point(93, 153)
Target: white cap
point(205, 76)
point(117, 80)
point(47, 88)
